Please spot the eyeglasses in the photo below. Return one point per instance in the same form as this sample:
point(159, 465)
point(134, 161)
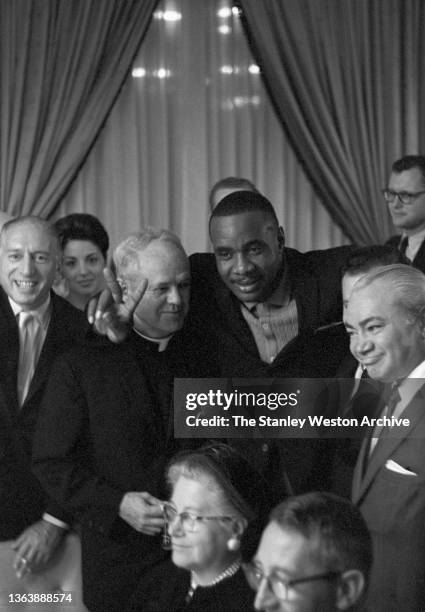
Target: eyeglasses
point(188, 520)
point(279, 586)
point(405, 197)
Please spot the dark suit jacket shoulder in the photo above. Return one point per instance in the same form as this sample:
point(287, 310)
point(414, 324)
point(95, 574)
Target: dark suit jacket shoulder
point(392, 501)
point(23, 500)
point(315, 282)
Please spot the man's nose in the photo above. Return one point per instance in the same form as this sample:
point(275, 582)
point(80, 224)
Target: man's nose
point(27, 264)
point(242, 264)
point(174, 296)
point(361, 344)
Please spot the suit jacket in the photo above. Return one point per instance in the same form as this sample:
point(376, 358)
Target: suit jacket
point(419, 260)
point(315, 282)
point(393, 505)
point(106, 429)
point(22, 499)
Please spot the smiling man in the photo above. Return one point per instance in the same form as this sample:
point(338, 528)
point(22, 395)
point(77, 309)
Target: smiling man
point(385, 318)
point(35, 326)
point(263, 302)
point(405, 196)
point(113, 407)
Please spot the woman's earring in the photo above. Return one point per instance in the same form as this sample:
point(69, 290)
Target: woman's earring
point(233, 544)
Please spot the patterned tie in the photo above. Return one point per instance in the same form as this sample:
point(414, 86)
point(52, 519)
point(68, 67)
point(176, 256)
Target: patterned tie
point(393, 398)
point(28, 353)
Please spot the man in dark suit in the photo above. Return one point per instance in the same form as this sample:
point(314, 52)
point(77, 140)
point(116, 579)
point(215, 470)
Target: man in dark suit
point(263, 302)
point(28, 264)
point(405, 196)
point(385, 320)
point(106, 431)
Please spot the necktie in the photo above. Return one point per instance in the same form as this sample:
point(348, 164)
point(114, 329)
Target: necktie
point(28, 328)
point(402, 247)
point(393, 398)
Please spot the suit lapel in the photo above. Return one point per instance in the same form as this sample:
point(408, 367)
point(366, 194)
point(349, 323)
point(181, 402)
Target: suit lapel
point(419, 261)
point(9, 351)
point(386, 446)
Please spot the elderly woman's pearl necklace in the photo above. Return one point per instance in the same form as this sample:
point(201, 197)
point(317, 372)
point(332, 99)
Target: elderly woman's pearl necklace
point(227, 573)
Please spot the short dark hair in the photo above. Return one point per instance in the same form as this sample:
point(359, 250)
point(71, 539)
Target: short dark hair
point(240, 202)
point(82, 226)
point(367, 258)
point(238, 183)
point(408, 162)
point(344, 541)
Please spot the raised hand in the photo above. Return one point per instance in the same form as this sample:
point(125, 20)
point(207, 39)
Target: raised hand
point(143, 512)
point(109, 313)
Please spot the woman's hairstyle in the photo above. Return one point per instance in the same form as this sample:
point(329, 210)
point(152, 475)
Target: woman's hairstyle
point(241, 484)
point(82, 226)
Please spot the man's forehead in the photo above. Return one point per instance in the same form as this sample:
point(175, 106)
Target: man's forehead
point(407, 179)
point(250, 224)
point(28, 234)
point(284, 548)
point(163, 260)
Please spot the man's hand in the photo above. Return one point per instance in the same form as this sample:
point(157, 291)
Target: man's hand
point(143, 512)
point(110, 315)
point(35, 546)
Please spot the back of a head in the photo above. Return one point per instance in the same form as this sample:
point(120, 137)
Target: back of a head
point(240, 202)
point(367, 258)
point(82, 226)
point(332, 523)
point(229, 184)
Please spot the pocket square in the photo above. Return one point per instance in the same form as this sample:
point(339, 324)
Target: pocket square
point(393, 466)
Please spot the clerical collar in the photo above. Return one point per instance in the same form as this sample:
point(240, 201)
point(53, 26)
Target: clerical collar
point(161, 342)
point(42, 313)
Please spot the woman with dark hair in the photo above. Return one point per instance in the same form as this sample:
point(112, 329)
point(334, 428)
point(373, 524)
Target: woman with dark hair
point(84, 243)
point(218, 506)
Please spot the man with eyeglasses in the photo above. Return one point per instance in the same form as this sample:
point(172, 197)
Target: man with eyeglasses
point(314, 555)
point(405, 196)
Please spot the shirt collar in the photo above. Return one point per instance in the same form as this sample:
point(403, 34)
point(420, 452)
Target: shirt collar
point(161, 342)
point(414, 239)
point(410, 385)
point(42, 313)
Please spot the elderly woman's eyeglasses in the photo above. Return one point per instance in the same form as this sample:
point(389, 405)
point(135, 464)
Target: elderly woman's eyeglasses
point(189, 520)
point(280, 587)
point(405, 197)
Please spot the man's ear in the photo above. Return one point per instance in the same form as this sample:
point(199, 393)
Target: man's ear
point(281, 237)
point(350, 588)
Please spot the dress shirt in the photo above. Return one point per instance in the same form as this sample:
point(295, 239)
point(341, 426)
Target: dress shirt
point(36, 331)
point(42, 316)
point(274, 322)
point(413, 244)
point(407, 389)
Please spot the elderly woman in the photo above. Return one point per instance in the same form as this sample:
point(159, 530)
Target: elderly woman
point(84, 243)
point(217, 501)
